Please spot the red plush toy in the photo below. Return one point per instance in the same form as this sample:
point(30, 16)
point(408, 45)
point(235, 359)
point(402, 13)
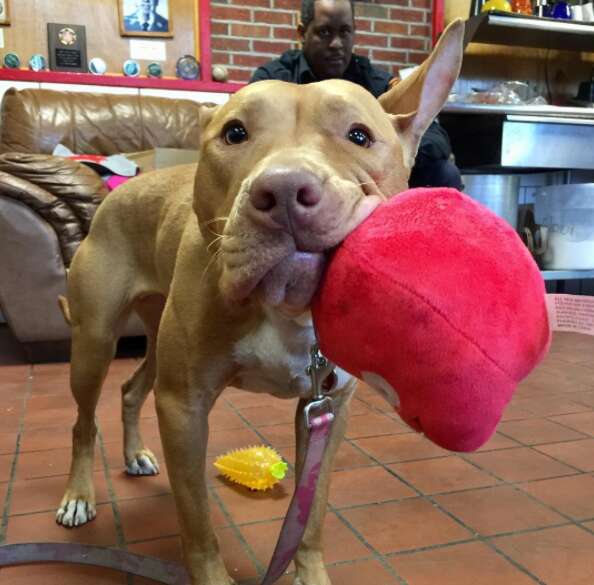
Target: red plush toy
point(435, 302)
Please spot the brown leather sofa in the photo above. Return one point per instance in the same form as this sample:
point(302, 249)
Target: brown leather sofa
point(47, 202)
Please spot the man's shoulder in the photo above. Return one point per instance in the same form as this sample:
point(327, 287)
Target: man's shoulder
point(282, 68)
point(376, 72)
point(373, 78)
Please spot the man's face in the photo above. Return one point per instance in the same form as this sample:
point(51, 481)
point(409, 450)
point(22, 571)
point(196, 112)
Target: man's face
point(328, 40)
point(147, 7)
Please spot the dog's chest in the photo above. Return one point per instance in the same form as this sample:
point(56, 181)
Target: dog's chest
point(273, 358)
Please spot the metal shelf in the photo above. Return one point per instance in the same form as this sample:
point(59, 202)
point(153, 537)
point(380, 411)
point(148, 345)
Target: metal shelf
point(504, 28)
point(567, 274)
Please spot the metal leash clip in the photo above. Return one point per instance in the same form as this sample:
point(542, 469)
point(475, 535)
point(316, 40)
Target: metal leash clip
point(320, 369)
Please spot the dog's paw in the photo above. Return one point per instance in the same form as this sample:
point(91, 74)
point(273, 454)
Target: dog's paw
point(75, 512)
point(143, 463)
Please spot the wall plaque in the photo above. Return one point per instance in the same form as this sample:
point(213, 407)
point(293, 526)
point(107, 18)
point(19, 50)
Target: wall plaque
point(67, 47)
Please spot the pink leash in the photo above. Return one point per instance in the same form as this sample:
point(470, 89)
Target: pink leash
point(302, 502)
point(318, 415)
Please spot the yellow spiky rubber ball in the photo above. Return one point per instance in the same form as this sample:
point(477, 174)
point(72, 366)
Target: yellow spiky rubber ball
point(258, 468)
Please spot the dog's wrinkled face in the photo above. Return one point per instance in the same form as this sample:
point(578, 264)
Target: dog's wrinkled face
point(286, 173)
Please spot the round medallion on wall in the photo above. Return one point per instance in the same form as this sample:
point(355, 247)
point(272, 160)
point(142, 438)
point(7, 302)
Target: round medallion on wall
point(37, 63)
point(67, 36)
point(220, 73)
point(97, 66)
point(131, 68)
point(154, 70)
point(187, 67)
point(12, 61)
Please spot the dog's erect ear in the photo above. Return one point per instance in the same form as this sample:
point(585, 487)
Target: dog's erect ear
point(417, 99)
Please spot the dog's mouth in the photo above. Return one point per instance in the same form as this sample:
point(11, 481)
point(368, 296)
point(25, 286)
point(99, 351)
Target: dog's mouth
point(281, 277)
point(280, 260)
point(294, 280)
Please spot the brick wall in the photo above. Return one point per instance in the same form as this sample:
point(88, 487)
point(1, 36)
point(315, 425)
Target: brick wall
point(247, 33)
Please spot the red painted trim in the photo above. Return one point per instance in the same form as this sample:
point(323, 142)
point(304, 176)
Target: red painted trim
point(206, 82)
point(437, 18)
point(204, 34)
point(117, 80)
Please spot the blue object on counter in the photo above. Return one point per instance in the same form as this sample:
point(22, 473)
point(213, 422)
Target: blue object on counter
point(154, 70)
point(12, 61)
point(97, 66)
point(37, 63)
point(131, 68)
point(561, 10)
point(187, 67)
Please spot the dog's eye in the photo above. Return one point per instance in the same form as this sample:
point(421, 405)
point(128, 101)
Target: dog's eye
point(235, 133)
point(360, 137)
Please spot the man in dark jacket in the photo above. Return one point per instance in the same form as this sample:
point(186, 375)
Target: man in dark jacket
point(327, 34)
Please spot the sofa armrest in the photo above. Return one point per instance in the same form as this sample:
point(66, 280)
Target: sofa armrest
point(53, 210)
point(78, 186)
point(32, 274)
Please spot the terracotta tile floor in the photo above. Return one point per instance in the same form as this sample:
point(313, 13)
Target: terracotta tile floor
point(402, 511)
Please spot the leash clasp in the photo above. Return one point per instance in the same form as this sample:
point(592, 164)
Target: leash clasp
point(320, 369)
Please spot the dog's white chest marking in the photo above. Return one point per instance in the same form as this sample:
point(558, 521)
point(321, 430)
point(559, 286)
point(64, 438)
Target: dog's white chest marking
point(274, 357)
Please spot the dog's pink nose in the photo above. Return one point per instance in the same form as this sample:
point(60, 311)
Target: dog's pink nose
point(282, 193)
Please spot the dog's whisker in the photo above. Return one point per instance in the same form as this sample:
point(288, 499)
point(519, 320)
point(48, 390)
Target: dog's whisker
point(216, 240)
point(211, 262)
point(214, 220)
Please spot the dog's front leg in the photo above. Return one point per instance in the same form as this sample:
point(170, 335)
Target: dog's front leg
point(309, 561)
point(183, 423)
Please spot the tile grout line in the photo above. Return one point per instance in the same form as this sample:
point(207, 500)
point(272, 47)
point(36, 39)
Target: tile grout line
point(357, 535)
point(235, 527)
point(117, 519)
point(13, 467)
point(380, 557)
point(514, 485)
point(237, 532)
point(521, 442)
point(566, 426)
point(517, 486)
point(110, 490)
point(375, 554)
point(478, 537)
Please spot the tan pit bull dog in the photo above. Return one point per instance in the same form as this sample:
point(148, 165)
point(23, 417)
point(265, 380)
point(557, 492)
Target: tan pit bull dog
point(221, 262)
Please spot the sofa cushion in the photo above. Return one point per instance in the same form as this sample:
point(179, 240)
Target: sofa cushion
point(36, 120)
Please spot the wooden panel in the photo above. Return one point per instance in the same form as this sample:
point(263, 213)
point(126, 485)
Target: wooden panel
point(28, 32)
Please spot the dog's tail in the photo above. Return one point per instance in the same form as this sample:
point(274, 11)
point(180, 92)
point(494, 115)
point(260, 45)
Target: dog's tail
point(63, 303)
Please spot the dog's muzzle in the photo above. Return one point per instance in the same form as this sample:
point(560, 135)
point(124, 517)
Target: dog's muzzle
point(294, 280)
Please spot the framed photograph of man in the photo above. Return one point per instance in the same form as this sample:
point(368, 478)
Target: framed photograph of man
point(145, 18)
point(4, 12)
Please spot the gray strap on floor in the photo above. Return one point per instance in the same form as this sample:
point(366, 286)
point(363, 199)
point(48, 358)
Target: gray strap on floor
point(82, 554)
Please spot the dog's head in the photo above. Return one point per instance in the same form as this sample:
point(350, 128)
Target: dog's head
point(287, 171)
